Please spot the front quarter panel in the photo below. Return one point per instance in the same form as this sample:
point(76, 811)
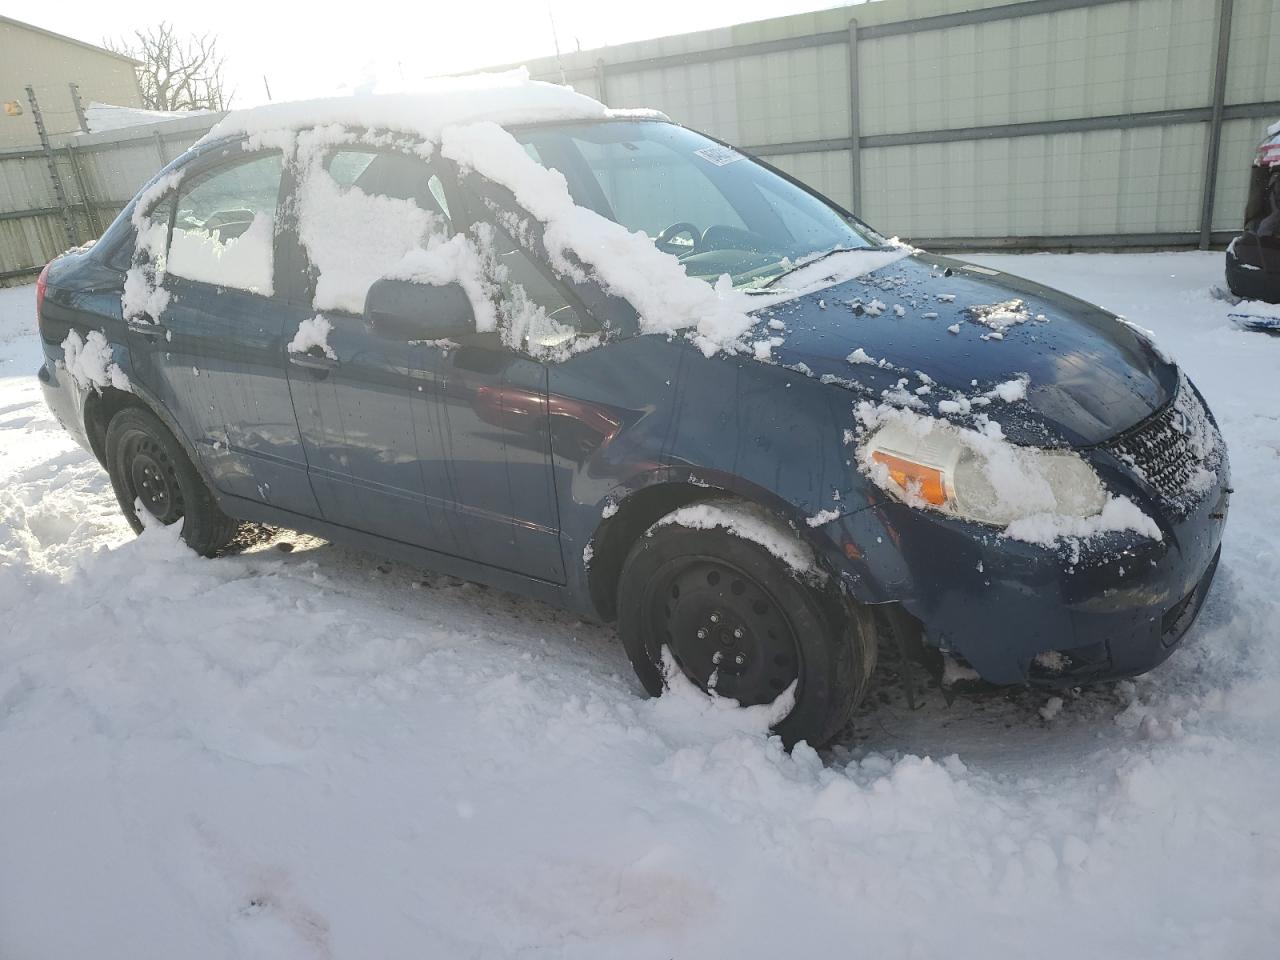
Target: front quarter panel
point(652, 410)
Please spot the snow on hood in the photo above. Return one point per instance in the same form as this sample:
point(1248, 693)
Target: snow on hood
point(920, 334)
point(503, 98)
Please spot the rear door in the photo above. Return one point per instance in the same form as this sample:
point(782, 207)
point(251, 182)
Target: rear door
point(216, 354)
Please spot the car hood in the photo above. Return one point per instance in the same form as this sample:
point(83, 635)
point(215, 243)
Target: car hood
point(921, 320)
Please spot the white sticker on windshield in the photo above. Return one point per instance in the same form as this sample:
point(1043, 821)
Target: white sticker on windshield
point(718, 155)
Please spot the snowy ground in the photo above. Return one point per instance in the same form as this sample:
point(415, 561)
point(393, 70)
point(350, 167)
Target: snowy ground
point(317, 753)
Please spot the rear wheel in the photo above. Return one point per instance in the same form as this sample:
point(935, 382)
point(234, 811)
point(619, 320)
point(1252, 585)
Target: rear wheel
point(738, 620)
point(148, 466)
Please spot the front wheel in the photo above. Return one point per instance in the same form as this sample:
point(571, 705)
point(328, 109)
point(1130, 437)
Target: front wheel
point(738, 620)
point(148, 466)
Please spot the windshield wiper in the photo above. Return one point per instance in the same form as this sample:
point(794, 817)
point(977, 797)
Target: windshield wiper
point(818, 259)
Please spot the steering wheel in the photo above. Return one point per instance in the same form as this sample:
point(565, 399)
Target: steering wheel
point(665, 238)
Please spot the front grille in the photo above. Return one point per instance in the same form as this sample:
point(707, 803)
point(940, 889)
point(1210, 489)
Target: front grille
point(1159, 452)
point(1177, 451)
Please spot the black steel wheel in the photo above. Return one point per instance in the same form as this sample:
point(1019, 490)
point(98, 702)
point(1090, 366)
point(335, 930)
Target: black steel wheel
point(153, 479)
point(725, 631)
point(739, 621)
point(148, 467)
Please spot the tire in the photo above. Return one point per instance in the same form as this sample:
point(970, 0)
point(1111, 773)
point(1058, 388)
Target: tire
point(703, 592)
point(1247, 276)
point(148, 465)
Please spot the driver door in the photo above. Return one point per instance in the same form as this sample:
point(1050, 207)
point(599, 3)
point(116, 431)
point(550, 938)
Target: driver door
point(440, 444)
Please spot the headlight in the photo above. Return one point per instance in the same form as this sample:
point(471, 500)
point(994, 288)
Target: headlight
point(932, 463)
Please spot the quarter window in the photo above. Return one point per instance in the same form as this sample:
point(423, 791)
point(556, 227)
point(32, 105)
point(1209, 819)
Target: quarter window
point(224, 231)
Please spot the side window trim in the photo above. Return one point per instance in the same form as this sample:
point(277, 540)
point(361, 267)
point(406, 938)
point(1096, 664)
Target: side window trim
point(124, 249)
point(170, 197)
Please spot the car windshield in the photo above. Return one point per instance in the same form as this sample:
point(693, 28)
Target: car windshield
point(716, 209)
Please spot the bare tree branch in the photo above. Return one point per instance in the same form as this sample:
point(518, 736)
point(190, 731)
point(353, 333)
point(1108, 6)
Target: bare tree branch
point(176, 73)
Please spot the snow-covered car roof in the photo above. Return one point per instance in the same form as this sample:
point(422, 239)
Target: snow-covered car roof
point(507, 99)
point(465, 120)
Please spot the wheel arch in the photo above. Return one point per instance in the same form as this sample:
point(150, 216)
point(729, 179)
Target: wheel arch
point(636, 508)
point(101, 405)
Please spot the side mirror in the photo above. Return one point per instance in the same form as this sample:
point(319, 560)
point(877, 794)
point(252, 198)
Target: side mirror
point(402, 310)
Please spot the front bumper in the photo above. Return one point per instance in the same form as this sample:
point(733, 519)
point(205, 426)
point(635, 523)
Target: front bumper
point(1112, 606)
point(1253, 268)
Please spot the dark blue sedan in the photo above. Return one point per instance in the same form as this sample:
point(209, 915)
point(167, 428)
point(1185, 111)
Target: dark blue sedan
point(608, 362)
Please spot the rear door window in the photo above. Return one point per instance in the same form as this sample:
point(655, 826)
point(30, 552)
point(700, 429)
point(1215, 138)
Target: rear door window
point(224, 229)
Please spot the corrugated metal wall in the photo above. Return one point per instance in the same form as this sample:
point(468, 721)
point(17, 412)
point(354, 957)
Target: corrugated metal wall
point(1070, 123)
point(1041, 122)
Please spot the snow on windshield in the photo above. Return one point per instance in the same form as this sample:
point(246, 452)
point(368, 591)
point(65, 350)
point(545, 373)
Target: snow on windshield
point(625, 263)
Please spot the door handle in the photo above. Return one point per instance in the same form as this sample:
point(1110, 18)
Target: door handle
point(151, 330)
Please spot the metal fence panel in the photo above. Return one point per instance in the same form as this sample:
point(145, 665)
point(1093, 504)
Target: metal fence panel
point(100, 174)
point(24, 184)
point(827, 172)
point(1056, 120)
point(1240, 139)
point(1253, 73)
point(1098, 182)
point(1126, 57)
point(1067, 121)
point(705, 93)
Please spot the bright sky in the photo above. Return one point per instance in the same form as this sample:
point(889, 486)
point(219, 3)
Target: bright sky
point(320, 53)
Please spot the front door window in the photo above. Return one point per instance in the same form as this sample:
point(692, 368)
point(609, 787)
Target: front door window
point(360, 211)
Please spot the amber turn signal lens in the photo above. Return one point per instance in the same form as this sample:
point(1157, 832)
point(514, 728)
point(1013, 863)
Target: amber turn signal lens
point(924, 482)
